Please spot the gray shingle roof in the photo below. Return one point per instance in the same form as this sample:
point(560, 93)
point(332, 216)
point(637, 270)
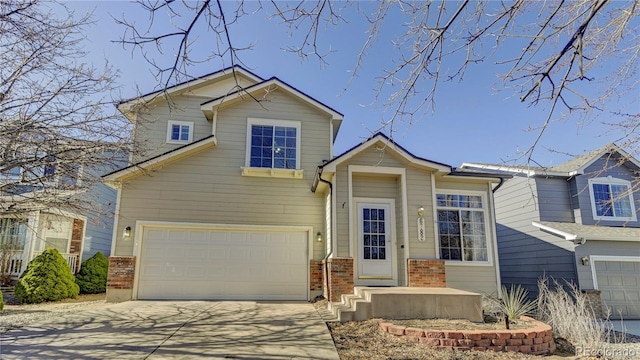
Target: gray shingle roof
point(594, 232)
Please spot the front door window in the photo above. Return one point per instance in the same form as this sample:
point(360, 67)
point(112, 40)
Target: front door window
point(375, 260)
point(374, 234)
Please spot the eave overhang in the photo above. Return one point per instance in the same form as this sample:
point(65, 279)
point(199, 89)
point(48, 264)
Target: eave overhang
point(115, 178)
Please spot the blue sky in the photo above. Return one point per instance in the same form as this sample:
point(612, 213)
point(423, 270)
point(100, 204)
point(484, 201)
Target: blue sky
point(472, 121)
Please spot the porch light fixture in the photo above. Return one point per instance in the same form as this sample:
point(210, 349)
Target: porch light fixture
point(319, 237)
point(585, 261)
point(127, 232)
point(420, 211)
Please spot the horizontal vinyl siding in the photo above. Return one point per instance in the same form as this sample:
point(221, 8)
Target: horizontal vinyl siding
point(373, 156)
point(341, 186)
point(554, 200)
point(607, 248)
point(479, 279)
point(419, 194)
point(526, 253)
point(208, 187)
point(98, 234)
point(151, 126)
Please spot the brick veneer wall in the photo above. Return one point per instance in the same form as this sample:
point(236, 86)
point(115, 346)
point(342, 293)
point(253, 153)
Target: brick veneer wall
point(316, 267)
point(426, 273)
point(121, 272)
point(340, 279)
point(537, 340)
point(594, 300)
point(76, 240)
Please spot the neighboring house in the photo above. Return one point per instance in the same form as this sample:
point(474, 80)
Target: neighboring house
point(33, 216)
point(243, 198)
point(575, 222)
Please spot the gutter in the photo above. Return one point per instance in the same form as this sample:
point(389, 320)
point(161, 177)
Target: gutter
point(498, 186)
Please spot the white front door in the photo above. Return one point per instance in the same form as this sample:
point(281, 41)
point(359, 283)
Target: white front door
point(375, 244)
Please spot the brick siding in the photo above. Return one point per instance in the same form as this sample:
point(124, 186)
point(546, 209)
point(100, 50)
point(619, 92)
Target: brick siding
point(594, 300)
point(121, 272)
point(426, 273)
point(340, 278)
point(315, 283)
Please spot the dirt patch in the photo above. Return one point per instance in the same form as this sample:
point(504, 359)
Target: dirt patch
point(365, 340)
point(461, 324)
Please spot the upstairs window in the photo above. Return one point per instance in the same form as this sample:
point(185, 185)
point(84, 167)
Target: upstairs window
point(179, 132)
point(273, 144)
point(461, 227)
point(611, 199)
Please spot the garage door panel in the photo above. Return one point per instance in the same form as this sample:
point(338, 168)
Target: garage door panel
point(619, 284)
point(223, 264)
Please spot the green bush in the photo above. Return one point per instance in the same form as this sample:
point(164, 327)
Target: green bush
point(47, 278)
point(1, 302)
point(92, 277)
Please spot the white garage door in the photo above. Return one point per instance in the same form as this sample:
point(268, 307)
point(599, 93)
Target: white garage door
point(619, 283)
point(182, 263)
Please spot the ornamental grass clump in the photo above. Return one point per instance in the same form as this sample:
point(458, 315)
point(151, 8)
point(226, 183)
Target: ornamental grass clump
point(92, 277)
point(570, 315)
point(515, 303)
point(47, 278)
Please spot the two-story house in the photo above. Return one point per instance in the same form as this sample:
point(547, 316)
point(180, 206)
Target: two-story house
point(242, 197)
point(51, 204)
point(577, 222)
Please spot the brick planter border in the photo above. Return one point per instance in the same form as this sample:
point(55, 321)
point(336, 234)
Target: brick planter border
point(537, 340)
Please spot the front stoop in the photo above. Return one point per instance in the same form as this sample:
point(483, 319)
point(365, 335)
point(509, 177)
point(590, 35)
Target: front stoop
point(407, 303)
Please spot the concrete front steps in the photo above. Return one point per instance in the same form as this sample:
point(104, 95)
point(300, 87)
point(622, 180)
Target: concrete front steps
point(407, 303)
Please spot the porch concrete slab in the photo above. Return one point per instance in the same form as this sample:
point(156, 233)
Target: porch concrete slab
point(422, 303)
point(172, 330)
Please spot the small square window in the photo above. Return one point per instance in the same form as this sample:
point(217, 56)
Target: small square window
point(179, 132)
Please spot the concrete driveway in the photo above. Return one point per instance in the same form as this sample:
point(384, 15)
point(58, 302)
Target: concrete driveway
point(178, 330)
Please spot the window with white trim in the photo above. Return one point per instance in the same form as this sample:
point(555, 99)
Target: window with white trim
point(273, 144)
point(179, 132)
point(611, 199)
point(461, 227)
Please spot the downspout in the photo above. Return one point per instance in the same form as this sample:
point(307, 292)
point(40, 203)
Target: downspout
point(330, 252)
point(498, 186)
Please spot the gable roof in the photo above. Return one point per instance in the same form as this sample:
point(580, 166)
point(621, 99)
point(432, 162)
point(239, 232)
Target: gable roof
point(575, 166)
point(390, 144)
point(272, 84)
point(126, 105)
point(157, 161)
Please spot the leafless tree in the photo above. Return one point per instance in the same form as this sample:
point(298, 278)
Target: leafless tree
point(59, 126)
point(572, 57)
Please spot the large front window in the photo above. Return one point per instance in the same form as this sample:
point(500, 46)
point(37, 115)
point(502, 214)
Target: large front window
point(13, 233)
point(274, 144)
point(461, 227)
point(611, 199)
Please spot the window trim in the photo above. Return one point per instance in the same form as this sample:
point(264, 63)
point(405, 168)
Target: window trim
point(170, 124)
point(248, 170)
point(486, 215)
point(611, 181)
